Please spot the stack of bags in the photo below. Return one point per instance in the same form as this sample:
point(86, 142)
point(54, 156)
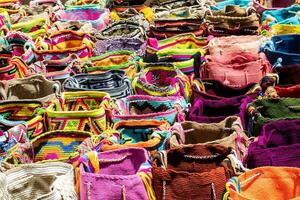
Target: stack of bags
point(156, 99)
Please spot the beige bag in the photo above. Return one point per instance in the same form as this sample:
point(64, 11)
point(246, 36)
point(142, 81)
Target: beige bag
point(43, 181)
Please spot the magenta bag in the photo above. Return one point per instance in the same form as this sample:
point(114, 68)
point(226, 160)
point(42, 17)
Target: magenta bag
point(273, 5)
point(115, 175)
point(213, 111)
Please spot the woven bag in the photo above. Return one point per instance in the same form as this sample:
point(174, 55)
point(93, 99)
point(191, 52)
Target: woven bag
point(79, 111)
point(39, 181)
point(262, 111)
point(49, 147)
point(138, 107)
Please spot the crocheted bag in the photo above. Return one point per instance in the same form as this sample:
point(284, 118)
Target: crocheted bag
point(15, 68)
point(138, 107)
point(267, 180)
point(228, 132)
point(79, 111)
point(119, 174)
point(161, 79)
point(148, 134)
point(113, 82)
point(262, 111)
point(114, 60)
point(63, 44)
point(39, 181)
point(49, 147)
point(35, 87)
point(233, 20)
point(193, 172)
point(263, 5)
point(98, 17)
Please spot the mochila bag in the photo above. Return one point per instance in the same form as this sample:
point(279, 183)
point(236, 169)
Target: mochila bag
point(191, 172)
point(82, 3)
point(238, 72)
point(261, 5)
point(119, 174)
point(212, 111)
point(267, 180)
point(216, 90)
point(292, 91)
point(39, 181)
point(62, 44)
point(228, 133)
point(284, 29)
point(219, 5)
point(162, 5)
point(13, 113)
point(288, 74)
point(233, 20)
point(113, 60)
point(51, 146)
point(149, 134)
point(130, 44)
point(57, 70)
point(78, 111)
point(35, 87)
point(276, 156)
point(98, 17)
point(286, 15)
point(281, 49)
point(222, 48)
point(161, 79)
point(122, 29)
point(72, 25)
point(262, 111)
point(113, 82)
point(15, 68)
point(138, 107)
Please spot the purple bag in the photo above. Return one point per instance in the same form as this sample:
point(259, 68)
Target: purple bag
point(213, 111)
point(277, 145)
point(115, 175)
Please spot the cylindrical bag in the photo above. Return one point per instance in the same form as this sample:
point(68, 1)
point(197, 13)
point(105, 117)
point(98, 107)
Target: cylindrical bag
point(228, 133)
point(118, 174)
point(79, 111)
point(161, 79)
point(292, 91)
point(113, 82)
point(262, 6)
point(262, 111)
point(275, 183)
point(138, 107)
point(239, 72)
point(211, 111)
point(35, 87)
point(49, 147)
point(98, 17)
point(63, 44)
point(15, 68)
point(114, 60)
point(42, 181)
point(191, 172)
point(216, 90)
point(233, 20)
point(288, 74)
point(282, 48)
point(149, 134)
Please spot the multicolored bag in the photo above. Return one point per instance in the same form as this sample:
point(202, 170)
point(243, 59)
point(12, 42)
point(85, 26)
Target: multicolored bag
point(63, 44)
point(228, 133)
point(14, 68)
point(114, 60)
point(50, 146)
point(119, 174)
point(149, 134)
point(263, 5)
point(35, 87)
point(262, 111)
point(139, 107)
point(79, 111)
point(113, 82)
point(98, 17)
point(39, 181)
point(161, 79)
point(233, 20)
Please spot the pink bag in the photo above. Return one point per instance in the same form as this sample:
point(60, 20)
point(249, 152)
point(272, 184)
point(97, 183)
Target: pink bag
point(114, 175)
point(237, 72)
